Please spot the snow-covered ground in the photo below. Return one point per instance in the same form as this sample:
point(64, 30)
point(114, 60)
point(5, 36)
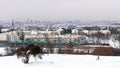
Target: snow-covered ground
point(114, 43)
point(62, 61)
point(2, 51)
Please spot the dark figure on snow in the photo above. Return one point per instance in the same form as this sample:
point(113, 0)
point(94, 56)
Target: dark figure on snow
point(98, 57)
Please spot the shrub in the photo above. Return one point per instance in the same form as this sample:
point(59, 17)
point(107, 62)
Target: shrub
point(28, 50)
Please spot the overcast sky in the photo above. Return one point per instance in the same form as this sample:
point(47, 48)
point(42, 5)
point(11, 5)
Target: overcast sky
point(59, 9)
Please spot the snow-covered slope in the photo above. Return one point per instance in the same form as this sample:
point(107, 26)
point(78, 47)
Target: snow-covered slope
point(2, 51)
point(114, 43)
point(62, 61)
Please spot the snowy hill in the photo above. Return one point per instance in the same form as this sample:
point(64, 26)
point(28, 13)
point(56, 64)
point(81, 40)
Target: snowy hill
point(62, 61)
point(2, 51)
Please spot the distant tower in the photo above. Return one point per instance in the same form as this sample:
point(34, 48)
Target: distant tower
point(12, 23)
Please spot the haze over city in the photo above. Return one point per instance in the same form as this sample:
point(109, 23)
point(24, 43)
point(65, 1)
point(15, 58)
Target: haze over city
point(59, 10)
point(52, 33)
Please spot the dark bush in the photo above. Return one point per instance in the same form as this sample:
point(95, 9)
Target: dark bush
point(29, 50)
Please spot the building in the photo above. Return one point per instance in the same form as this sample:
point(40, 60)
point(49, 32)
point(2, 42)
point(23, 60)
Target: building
point(3, 36)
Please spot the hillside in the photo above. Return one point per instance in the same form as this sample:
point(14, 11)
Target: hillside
point(62, 61)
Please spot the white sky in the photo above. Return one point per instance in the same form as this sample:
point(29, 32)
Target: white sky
point(59, 9)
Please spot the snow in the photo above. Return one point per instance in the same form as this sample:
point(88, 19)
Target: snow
point(2, 51)
point(62, 61)
point(114, 43)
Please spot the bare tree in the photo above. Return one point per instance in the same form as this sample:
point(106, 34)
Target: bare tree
point(99, 35)
point(69, 49)
point(70, 45)
point(49, 45)
point(21, 34)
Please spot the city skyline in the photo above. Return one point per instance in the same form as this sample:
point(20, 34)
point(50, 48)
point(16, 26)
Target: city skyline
point(53, 10)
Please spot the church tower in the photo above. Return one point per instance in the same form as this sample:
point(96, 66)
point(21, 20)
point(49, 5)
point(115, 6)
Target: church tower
point(12, 23)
